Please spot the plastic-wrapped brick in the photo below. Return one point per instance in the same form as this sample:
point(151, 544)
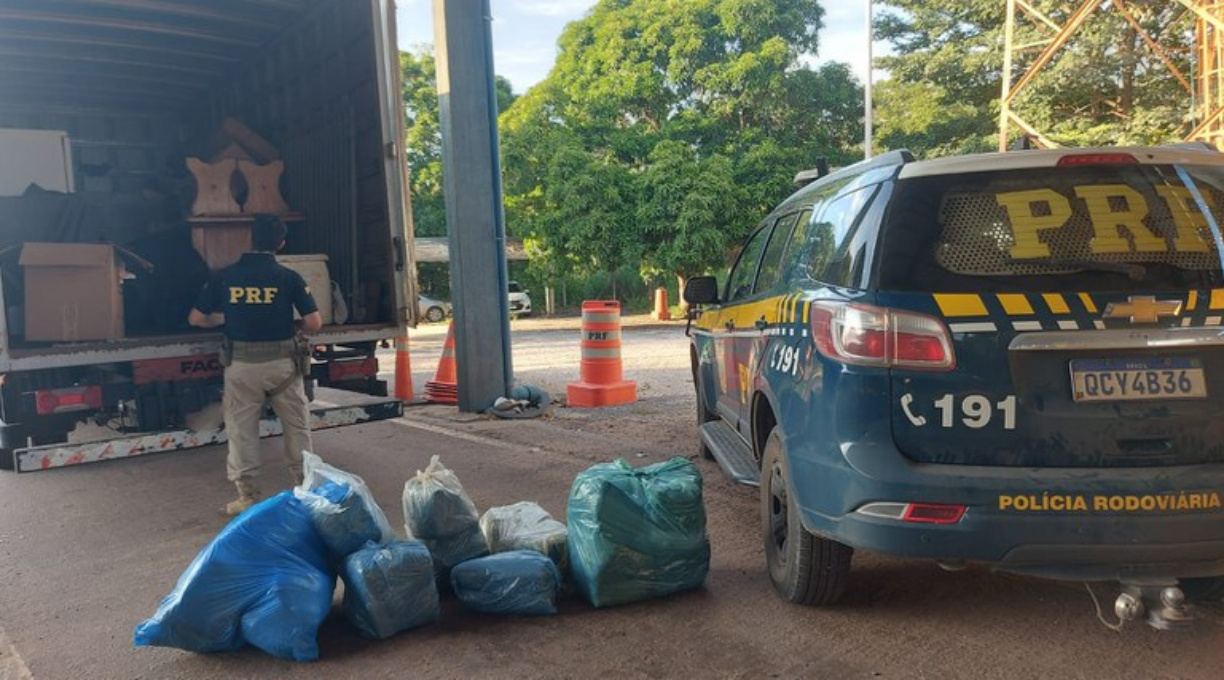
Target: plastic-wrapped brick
point(264, 579)
point(525, 526)
point(390, 588)
point(636, 534)
point(439, 512)
point(342, 507)
point(517, 582)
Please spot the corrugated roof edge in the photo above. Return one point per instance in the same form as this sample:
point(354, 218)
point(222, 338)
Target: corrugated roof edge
point(1048, 158)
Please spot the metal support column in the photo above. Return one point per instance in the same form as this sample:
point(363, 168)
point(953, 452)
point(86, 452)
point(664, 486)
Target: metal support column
point(475, 220)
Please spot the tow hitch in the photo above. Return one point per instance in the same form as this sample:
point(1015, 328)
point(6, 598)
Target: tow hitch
point(1162, 603)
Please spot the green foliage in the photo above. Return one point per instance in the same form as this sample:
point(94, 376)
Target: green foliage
point(423, 142)
point(667, 129)
point(1104, 87)
point(423, 146)
point(423, 137)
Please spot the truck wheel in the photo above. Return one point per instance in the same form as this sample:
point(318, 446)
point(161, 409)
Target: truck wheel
point(1206, 589)
point(704, 415)
point(805, 569)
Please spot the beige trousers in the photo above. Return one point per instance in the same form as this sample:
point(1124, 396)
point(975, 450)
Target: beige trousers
point(246, 391)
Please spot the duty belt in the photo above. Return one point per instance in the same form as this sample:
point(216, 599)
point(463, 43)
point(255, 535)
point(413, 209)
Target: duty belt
point(263, 352)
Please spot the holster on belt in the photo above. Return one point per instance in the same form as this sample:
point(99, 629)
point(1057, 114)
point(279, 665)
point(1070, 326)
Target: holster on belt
point(298, 349)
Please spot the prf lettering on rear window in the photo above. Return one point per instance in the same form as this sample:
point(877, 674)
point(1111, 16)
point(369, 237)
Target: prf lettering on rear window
point(1116, 212)
point(1058, 502)
point(250, 295)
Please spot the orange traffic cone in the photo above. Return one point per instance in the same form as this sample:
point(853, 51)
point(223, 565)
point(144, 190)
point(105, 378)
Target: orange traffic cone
point(403, 370)
point(601, 382)
point(444, 388)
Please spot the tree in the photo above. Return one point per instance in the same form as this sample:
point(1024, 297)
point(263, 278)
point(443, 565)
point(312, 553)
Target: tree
point(1104, 87)
point(670, 128)
point(423, 137)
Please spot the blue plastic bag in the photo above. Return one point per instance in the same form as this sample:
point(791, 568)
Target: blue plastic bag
point(390, 588)
point(344, 511)
point(515, 582)
point(636, 534)
point(263, 580)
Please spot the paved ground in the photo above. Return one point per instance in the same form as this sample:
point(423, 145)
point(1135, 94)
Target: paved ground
point(88, 552)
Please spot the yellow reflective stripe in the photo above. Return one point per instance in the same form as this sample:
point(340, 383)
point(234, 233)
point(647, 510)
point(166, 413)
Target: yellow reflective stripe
point(960, 304)
point(1056, 303)
point(807, 312)
point(1217, 298)
point(1088, 303)
point(1192, 301)
point(1015, 304)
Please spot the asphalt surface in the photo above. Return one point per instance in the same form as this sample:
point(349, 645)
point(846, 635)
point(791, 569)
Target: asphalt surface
point(88, 552)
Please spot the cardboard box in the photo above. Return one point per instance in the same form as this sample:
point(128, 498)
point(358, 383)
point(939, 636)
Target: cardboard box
point(73, 292)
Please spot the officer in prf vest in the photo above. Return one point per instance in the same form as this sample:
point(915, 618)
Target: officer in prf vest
point(254, 300)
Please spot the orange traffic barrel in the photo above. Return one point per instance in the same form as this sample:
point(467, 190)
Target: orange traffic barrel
point(661, 310)
point(403, 370)
point(444, 388)
point(602, 382)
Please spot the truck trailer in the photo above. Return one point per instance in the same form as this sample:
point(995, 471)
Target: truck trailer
point(138, 141)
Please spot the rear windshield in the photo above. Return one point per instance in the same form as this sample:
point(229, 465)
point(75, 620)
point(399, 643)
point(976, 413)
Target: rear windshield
point(1101, 227)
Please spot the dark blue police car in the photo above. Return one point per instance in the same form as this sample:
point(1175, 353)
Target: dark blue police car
point(1014, 358)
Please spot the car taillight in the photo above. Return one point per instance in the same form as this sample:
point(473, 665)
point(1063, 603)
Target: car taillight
point(66, 400)
point(921, 513)
point(933, 513)
point(865, 335)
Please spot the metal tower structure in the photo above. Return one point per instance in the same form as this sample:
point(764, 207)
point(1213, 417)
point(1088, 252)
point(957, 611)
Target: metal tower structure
point(1209, 80)
point(1206, 92)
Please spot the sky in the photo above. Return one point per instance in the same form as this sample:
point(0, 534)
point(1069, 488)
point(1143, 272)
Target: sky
point(525, 34)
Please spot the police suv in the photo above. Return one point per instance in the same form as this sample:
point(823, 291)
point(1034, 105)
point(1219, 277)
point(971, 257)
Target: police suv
point(1013, 358)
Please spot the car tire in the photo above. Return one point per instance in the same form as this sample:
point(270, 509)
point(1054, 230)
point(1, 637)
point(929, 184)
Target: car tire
point(804, 569)
point(704, 415)
point(435, 314)
point(1206, 589)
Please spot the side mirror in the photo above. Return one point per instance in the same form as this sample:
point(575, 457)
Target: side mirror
point(701, 290)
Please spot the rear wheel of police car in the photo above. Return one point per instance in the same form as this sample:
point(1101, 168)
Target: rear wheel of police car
point(805, 569)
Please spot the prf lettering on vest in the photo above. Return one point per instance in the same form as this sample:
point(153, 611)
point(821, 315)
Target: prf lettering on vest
point(250, 295)
point(1117, 214)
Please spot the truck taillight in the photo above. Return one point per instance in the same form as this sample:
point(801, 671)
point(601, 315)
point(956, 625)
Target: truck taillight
point(866, 335)
point(359, 369)
point(67, 400)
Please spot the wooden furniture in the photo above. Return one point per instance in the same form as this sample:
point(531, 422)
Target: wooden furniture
point(263, 187)
point(214, 192)
point(222, 239)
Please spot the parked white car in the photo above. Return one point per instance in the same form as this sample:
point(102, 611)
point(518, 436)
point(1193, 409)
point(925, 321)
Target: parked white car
point(520, 301)
point(433, 310)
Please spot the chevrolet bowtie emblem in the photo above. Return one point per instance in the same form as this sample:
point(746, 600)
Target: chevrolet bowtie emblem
point(1142, 309)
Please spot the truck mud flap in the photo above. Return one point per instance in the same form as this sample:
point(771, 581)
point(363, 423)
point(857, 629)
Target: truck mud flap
point(53, 456)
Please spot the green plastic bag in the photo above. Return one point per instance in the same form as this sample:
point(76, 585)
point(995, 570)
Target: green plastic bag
point(636, 534)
